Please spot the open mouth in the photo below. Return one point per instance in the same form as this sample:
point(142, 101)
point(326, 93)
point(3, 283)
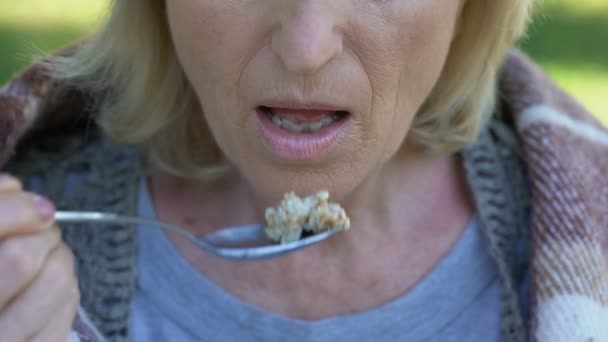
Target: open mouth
point(302, 121)
point(307, 133)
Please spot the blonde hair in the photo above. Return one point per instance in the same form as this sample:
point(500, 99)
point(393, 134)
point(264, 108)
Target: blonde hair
point(148, 101)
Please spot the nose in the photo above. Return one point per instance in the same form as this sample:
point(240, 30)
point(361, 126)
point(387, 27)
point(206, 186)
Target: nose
point(308, 36)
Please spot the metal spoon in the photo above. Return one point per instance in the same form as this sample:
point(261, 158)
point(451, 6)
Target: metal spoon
point(234, 243)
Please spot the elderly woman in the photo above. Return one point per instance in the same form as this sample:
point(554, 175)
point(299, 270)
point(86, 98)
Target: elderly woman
point(474, 186)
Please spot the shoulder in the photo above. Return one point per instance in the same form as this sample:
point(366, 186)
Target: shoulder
point(50, 164)
point(48, 131)
point(49, 140)
point(566, 152)
point(35, 103)
point(90, 172)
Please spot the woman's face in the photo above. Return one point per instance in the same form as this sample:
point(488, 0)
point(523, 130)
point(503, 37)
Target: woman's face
point(311, 94)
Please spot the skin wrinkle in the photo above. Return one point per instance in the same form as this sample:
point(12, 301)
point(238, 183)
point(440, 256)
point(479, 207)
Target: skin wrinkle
point(265, 55)
point(396, 101)
point(238, 88)
point(371, 87)
point(356, 121)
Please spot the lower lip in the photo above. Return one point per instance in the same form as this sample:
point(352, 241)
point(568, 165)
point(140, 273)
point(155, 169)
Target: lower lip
point(300, 146)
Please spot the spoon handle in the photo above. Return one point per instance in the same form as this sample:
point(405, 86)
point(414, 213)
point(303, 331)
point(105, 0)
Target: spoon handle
point(206, 243)
point(99, 217)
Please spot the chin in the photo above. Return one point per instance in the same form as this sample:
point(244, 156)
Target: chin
point(270, 176)
point(271, 189)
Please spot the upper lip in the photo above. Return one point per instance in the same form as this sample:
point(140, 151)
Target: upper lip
point(298, 105)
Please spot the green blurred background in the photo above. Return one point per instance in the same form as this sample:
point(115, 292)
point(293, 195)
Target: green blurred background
point(569, 38)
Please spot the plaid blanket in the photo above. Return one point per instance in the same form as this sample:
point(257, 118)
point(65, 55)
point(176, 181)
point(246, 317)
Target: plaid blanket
point(566, 152)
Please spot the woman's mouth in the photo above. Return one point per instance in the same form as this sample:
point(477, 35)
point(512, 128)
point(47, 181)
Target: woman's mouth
point(301, 134)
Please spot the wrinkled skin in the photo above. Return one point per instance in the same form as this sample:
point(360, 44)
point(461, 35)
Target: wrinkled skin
point(377, 59)
point(380, 59)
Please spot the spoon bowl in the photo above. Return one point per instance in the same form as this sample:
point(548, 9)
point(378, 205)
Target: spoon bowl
point(241, 243)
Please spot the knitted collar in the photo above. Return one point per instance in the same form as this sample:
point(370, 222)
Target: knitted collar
point(565, 150)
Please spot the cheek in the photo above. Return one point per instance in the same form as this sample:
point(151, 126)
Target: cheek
point(191, 32)
point(210, 52)
point(212, 55)
point(425, 48)
point(405, 64)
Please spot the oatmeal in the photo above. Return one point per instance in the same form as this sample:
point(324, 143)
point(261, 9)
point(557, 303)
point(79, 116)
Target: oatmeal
point(296, 215)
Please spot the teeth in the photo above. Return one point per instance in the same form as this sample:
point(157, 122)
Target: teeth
point(316, 126)
point(302, 127)
point(276, 120)
point(311, 127)
point(326, 121)
point(292, 126)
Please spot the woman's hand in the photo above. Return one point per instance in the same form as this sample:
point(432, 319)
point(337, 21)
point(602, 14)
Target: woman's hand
point(39, 294)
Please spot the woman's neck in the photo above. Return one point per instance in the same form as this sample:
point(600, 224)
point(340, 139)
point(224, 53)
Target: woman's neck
point(410, 192)
point(406, 217)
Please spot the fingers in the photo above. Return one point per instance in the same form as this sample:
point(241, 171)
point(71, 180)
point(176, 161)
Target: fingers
point(21, 259)
point(20, 212)
point(9, 184)
point(35, 310)
point(23, 213)
point(38, 291)
point(60, 325)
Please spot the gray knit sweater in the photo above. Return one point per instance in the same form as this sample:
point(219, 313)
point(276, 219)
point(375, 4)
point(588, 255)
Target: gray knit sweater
point(564, 147)
point(106, 265)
